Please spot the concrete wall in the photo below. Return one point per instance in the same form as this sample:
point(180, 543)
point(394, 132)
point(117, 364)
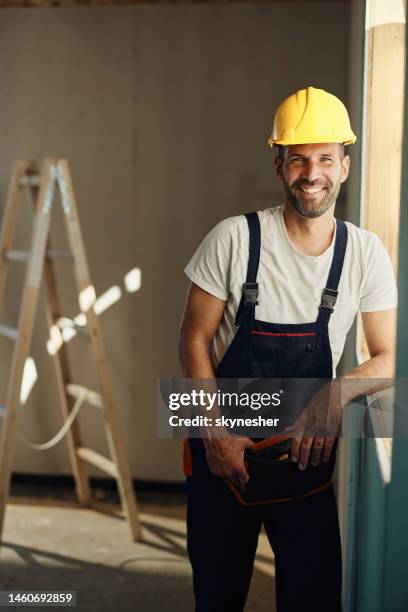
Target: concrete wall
point(163, 113)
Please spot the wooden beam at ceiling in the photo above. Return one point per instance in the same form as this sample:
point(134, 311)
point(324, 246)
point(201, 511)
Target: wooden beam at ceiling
point(66, 3)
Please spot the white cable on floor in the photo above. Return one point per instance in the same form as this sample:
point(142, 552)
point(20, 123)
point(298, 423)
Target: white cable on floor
point(61, 433)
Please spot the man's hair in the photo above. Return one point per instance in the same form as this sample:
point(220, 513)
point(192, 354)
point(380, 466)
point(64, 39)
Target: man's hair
point(281, 153)
point(282, 149)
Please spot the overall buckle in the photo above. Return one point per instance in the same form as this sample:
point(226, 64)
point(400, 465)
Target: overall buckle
point(329, 298)
point(250, 293)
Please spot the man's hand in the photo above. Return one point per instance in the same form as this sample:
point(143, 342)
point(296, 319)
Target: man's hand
point(318, 449)
point(314, 431)
point(225, 457)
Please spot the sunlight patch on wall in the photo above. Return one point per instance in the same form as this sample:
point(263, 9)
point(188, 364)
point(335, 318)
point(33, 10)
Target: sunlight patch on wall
point(30, 377)
point(133, 280)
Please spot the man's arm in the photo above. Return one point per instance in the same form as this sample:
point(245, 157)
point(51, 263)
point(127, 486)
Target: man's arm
point(380, 334)
point(202, 316)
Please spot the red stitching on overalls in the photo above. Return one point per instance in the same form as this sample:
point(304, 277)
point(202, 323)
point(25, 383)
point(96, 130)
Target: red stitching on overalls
point(259, 333)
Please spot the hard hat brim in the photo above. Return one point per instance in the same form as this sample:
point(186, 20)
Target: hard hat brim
point(284, 142)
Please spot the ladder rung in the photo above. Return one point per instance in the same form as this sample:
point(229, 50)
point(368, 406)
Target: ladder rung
point(92, 397)
point(98, 460)
point(29, 180)
point(8, 332)
point(13, 255)
point(59, 254)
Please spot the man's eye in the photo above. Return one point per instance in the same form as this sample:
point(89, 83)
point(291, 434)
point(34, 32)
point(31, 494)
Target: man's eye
point(297, 159)
point(325, 158)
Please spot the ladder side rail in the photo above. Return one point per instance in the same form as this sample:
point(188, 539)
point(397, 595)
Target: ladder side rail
point(25, 326)
point(112, 423)
point(10, 219)
point(63, 375)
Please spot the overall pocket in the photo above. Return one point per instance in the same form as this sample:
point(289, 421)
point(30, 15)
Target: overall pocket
point(274, 347)
point(314, 476)
point(274, 477)
point(270, 474)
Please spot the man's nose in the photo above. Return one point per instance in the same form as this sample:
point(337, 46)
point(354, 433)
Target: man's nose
point(311, 170)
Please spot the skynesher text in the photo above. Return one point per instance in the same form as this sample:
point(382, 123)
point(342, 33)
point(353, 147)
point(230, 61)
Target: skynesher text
point(205, 421)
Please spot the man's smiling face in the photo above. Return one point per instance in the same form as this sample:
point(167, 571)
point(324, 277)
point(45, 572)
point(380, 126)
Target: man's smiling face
point(312, 175)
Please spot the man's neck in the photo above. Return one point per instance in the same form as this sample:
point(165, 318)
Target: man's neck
point(311, 236)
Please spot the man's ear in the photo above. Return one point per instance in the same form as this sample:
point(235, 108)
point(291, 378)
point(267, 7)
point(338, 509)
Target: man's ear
point(345, 167)
point(279, 167)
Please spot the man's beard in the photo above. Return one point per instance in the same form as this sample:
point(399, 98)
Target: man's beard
point(326, 203)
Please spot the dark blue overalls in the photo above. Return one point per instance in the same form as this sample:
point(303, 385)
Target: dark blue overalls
point(222, 534)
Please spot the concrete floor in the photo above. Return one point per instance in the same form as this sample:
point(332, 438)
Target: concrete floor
point(52, 544)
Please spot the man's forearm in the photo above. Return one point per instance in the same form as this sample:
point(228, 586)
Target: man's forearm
point(372, 376)
point(196, 363)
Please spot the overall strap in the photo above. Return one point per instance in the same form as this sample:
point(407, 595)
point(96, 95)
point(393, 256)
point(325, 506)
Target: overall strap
point(330, 292)
point(250, 288)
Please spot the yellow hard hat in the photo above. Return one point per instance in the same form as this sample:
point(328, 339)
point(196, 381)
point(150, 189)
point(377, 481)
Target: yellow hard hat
point(311, 116)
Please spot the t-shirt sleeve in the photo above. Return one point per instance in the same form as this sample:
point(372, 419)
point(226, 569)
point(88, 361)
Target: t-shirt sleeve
point(379, 291)
point(210, 266)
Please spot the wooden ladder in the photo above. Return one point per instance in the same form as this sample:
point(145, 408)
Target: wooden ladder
point(40, 259)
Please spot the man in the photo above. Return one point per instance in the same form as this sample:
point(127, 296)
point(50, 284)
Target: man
point(273, 294)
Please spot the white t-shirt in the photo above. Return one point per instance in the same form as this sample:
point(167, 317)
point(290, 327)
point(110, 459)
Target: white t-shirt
point(290, 282)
